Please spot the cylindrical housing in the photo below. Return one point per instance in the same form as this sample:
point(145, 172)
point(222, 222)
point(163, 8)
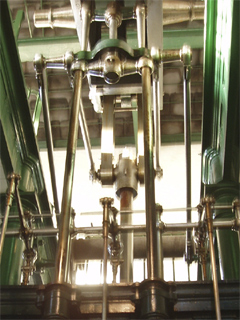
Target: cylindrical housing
point(126, 176)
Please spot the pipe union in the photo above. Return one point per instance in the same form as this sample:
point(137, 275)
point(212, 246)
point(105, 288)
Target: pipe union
point(186, 55)
point(144, 62)
point(112, 69)
point(113, 11)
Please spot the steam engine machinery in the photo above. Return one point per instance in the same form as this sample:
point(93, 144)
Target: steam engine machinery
point(115, 59)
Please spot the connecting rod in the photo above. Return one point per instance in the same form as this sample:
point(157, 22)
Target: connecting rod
point(106, 203)
point(41, 74)
point(186, 58)
point(62, 258)
point(207, 201)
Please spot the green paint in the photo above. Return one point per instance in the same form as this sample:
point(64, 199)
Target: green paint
point(216, 87)
point(17, 22)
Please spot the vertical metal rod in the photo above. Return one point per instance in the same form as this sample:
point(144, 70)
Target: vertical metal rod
point(173, 265)
point(151, 231)
point(187, 139)
point(106, 202)
point(43, 87)
point(141, 24)
point(20, 208)
point(9, 198)
point(126, 268)
point(159, 240)
point(157, 123)
point(86, 139)
point(62, 257)
point(208, 201)
point(86, 14)
point(113, 28)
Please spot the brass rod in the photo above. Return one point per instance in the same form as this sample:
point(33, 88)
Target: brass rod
point(9, 198)
point(62, 258)
point(149, 174)
point(207, 202)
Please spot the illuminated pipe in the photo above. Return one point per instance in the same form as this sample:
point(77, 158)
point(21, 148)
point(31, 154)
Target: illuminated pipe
point(62, 258)
point(168, 227)
point(9, 199)
point(207, 202)
point(173, 12)
point(54, 18)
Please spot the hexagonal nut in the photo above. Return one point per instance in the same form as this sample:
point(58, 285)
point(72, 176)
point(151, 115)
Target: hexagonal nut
point(106, 201)
point(208, 199)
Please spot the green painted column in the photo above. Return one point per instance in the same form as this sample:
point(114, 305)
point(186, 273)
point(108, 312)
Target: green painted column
point(11, 262)
point(227, 242)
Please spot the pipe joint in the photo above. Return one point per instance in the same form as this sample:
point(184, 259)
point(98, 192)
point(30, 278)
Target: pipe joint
point(39, 64)
point(79, 65)
point(140, 9)
point(144, 62)
point(113, 12)
point(186, 55)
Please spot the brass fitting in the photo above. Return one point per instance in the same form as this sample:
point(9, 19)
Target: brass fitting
point(113, 11)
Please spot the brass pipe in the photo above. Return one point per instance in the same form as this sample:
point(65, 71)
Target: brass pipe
point(9, 198)
point(62, 258)
point(149, 174)
point(207, 201)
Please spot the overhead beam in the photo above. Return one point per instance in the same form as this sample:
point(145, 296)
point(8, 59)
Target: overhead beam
point(52, 47)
